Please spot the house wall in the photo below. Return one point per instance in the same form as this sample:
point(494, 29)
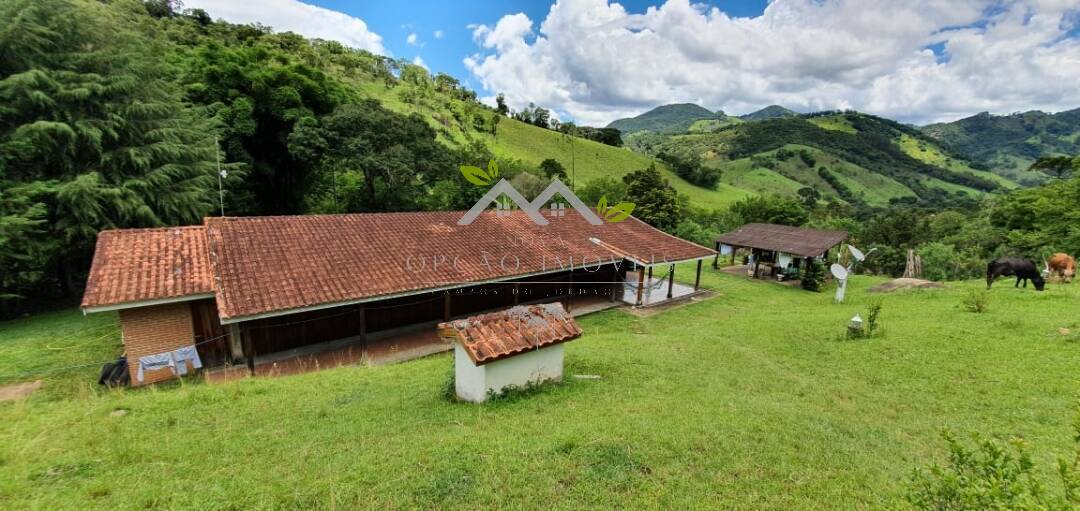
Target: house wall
point(155, 329)
point(473, 382)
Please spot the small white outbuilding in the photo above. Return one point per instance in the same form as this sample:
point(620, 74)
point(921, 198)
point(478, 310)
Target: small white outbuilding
point(517, 346)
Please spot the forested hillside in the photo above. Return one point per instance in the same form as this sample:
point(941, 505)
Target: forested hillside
point(1009, 144)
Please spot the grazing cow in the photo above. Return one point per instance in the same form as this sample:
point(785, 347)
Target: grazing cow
point(1022, 269)
point(1062, 264)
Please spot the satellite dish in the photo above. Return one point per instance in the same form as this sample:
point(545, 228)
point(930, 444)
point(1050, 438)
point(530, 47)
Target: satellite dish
point(856, 253)
point(838, 271)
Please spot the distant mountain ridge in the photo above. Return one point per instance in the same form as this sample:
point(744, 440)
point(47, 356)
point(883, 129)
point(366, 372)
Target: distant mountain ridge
point(673, 118)
point(769, 112)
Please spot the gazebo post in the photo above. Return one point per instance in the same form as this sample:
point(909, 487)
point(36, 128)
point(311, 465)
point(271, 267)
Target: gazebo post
point(697, 279)
point(671, 281)
point(640, 285)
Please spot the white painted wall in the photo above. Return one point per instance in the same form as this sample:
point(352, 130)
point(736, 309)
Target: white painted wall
point(472, 382)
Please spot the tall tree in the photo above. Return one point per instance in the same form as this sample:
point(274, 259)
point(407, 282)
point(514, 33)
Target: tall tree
point(92, 136)
point(655, 201)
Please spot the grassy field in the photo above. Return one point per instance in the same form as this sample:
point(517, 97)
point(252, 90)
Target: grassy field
point(593, 160)
point(749, 400)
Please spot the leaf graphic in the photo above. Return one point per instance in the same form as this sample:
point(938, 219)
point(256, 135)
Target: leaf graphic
point(493, 169)
point(619, 212)
point(601, 207)
point(475, 175)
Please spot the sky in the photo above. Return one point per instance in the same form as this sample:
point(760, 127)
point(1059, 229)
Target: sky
point(593, 61)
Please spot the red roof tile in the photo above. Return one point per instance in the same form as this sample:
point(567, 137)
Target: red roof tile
point(264, 265)
point(275, 264)
point(503, 334)
point(138, 265)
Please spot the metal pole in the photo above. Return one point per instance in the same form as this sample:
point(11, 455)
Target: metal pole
point(221, 190)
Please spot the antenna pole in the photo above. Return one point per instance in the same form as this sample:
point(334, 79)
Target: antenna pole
point(221, 190)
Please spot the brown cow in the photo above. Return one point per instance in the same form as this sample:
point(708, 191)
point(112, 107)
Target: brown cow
point(1062, 264)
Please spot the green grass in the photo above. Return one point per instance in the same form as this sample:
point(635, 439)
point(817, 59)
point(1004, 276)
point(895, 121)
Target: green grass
point(592, 160)
point(746, 401)
point(834, 122)
point(929, 153)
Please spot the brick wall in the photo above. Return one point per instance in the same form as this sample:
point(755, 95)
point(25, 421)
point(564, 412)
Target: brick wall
point(155, 329)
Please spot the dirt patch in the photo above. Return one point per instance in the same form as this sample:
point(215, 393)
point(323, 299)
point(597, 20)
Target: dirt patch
point(903, 284)
point(19, 390)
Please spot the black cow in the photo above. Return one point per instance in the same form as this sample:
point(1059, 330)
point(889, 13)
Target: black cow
point(1012, 266)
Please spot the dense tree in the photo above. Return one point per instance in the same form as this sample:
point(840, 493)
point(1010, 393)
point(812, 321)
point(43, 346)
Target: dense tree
point(92, 136)
point(396, 158)
point(656, 202)
point(551, 168)
point(604, 186)
point(771, 209)
point(1059, 167)
point(500, 104)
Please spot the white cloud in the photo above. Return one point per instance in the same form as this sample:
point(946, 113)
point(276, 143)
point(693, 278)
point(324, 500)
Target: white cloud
point(411, 39)
point(420, 62)
point(597, 62)
point(295, 16)
point(438, 34)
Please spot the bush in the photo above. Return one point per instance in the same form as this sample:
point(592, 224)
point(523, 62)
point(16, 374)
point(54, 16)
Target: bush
point(994, 476)
point(813, 275)
point(941, 261)
point(977, 301)
point(870, 325)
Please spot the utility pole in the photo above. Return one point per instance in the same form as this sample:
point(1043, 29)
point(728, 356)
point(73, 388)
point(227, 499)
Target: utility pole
point(220, 174)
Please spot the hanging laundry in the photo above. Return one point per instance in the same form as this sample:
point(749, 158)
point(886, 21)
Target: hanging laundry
point(155, 362)
point(184, 354)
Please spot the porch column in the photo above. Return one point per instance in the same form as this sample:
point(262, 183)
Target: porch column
point(671, 281)
point(249, 351)
point(757, 262)
point(236, 346)
point(640, 285)
point(570, 297)
point(446, 306)
point(697, 279)
point(716, 260)
point(363, 325)
point(517, 293)
point(615, 284)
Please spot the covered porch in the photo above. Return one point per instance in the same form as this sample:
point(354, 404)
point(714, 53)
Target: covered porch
point(775, 252)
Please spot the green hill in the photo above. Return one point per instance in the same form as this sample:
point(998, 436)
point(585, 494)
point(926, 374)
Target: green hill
point(1008, 144)
point(675, 118)
point(769, 112)
point(865, 158)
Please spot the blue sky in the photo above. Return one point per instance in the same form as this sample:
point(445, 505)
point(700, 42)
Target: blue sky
point(917, 61)
point(394, 21)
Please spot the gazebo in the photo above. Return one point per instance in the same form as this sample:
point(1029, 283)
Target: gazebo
point(777, 251)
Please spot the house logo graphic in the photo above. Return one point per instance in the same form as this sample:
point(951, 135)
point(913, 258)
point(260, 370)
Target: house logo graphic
point(480, 177)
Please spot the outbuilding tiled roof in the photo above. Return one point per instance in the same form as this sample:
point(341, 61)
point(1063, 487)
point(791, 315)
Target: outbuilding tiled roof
point(503, 334)
point(140, 265)
point(258, 266)
point(269, 264)
point(784, 238)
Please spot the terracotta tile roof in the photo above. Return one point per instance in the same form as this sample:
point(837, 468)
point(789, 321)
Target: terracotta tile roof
point(784, 238)
point(503, 334)
point(137, 265)
point(275, 264)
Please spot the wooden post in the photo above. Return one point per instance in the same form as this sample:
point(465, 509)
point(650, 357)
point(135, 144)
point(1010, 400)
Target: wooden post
point(249, 351)
point(614, 284)
point(716, 260)
point(757, 262)
point(697, 279)
point(640, 285)
point(570, 296)
point(671, 281)
point(650, 275)
point(517, 293)
point(446, 306)
point(363, 325)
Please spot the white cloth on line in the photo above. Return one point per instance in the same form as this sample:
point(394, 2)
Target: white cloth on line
point(155, 362)
point(174, 360)
point(186, 353)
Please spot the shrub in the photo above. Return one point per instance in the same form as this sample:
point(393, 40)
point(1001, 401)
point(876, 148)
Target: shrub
point(813, 275)
point(990, 475)
point(870, 325)
point(977, 301)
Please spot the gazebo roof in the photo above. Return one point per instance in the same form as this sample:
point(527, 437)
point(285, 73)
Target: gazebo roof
point(784, 238)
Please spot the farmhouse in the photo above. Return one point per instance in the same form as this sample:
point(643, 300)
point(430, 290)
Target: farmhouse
point(777, 251)
point(240, 290)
